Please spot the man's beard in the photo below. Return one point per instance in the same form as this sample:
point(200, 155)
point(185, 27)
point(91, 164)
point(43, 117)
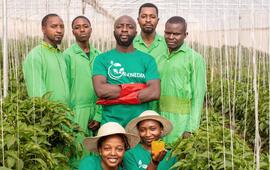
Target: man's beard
point(148, 30)
point(125, 43)
point(58, 42)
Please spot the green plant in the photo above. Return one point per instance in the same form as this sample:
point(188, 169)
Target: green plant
point(213, 147)
point(37, 134)
point(241, 103)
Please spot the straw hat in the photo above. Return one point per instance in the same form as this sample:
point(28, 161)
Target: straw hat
point(110, 128)
point(152, 115)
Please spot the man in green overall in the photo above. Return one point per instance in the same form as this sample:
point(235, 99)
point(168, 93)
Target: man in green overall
point(79, 59)
point(44, 67)
point(148, 40)
point(183, 81)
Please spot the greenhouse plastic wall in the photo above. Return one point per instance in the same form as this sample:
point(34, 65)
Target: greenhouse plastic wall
point(233, 36)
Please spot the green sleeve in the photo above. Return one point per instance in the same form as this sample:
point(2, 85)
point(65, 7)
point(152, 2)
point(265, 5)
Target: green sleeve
point(98, 116)
point(88, 164)
point(33, 75)
point(68, 64)
point(151, 70)
point(99, 67)
point(198, 87)
point(167, 162)
point(98, 113)
point(130, 161)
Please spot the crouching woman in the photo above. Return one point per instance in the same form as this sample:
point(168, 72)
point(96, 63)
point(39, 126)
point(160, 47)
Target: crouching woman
point(150, 126)
point(110, 144)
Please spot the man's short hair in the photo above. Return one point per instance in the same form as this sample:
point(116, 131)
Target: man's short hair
point(81, 16)
point(177, 20)
point(45, 19)
point(149, 5)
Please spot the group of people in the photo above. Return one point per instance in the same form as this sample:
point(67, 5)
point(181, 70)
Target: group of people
point(152, 86)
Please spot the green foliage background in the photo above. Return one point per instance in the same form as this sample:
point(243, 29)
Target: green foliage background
point(36, 133)
point(225, 139)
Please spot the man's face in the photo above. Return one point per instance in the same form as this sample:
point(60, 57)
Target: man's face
point(174, 35)
point(53, 30)
point(148, 19)
point(81, 30)
point(124, 31)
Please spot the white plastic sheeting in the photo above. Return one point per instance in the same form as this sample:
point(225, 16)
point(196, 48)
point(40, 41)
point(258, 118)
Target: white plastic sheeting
point(206, 19)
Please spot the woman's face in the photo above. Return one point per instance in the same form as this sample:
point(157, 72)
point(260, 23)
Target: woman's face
point(112, 151)
point(149, 130)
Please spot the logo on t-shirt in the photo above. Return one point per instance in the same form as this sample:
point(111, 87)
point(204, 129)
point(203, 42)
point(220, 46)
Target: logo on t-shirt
point(141, 165)
point(116, 71)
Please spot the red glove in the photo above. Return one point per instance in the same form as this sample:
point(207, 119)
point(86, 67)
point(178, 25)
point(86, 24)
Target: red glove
point(131, 98)
point(128, 95)
point(129, 88)
point(107, 102)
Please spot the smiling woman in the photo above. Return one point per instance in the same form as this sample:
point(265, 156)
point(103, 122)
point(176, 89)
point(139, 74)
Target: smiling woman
point(110, 143)
point(150, 153)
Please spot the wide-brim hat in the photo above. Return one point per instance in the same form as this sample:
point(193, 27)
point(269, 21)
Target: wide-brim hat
point(149, 115)
point(110, 128)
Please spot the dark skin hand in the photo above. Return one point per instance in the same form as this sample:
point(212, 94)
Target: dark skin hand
point(156, 159)
point(93, 125)
point(186, 135)
point(152, 92)
point(105, 90)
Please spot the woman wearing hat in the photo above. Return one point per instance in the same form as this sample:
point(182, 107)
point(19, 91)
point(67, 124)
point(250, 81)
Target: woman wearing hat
point(150, 126)
point(110, 143)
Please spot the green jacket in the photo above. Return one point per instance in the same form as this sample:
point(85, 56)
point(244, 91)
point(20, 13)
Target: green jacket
point(45, 71)
point(83, 98)
point(157, 48)
point(82, 93)
point(183, 86)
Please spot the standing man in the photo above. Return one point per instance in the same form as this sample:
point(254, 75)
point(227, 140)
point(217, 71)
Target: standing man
point(183, 81)
point(44, 67)
point(79, 59)
point(119, 76)
point(149, 41)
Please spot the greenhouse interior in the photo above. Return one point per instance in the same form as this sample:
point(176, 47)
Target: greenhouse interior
point(232, 36)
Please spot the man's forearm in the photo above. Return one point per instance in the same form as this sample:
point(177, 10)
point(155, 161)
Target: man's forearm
point(105, 90)
point(108, 91)
point(147, 94)
point(152, 92)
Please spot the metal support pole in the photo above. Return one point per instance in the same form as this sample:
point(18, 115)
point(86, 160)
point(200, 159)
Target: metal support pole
point(5, 49)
